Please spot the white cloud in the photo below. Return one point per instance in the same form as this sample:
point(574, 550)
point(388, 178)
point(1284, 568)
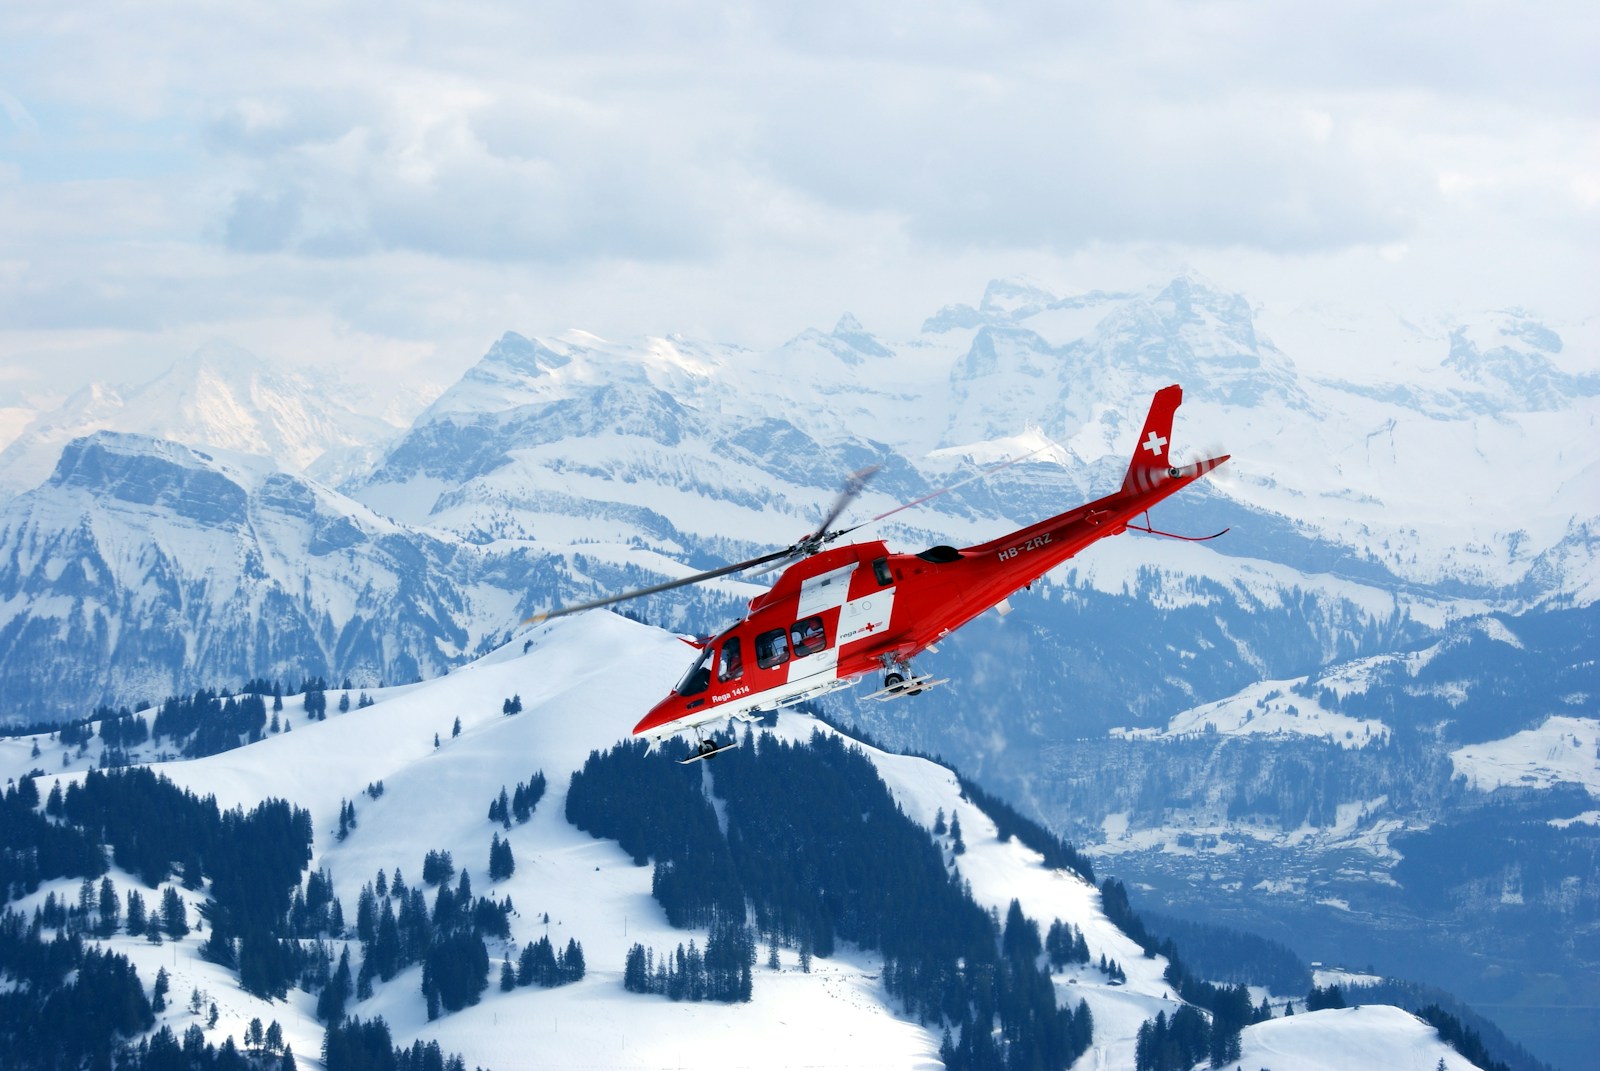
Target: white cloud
point(438, 173)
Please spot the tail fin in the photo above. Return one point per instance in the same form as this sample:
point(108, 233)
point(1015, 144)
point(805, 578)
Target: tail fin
point(1150, 464)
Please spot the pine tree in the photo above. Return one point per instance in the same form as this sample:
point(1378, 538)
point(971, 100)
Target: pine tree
point(367, 914)
point(635, 975)
point(330, 1004)
point(501, 862)
point(88, 900)
point(455, 730)
point(174, 915)
point(572, 965)
point(110, 907)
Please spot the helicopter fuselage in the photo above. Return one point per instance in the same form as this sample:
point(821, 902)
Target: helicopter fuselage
point(858, 609)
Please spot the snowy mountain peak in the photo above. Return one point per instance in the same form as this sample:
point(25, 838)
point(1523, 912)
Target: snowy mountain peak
point(515, 371)
point(849, 331)
point(1015, 298)
point(1192, 298)
point(218, 355)
point(1203, 337)
point(1510, 357)
point(1005, 301)
point(524, 355)
point(136, 469)
point(218, 396)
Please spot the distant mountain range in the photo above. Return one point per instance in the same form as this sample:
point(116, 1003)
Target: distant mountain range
point(1374, 519)
point(220, 396)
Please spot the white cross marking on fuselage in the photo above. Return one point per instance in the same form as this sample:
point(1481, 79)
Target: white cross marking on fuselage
point(1154, 443)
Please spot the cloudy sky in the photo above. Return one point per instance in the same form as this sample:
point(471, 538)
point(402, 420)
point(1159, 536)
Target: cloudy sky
point(392, 185)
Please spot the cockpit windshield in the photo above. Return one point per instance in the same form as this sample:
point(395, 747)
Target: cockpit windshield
point(699, 676)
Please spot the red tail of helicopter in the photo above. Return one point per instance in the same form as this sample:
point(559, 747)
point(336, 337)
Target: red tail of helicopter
point(838, 614)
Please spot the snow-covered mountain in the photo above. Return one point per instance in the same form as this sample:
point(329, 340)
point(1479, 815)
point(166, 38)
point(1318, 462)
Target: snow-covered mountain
point(1375, 517)
point(1469, 479)
point(423, 762)
point(143, 567)
point(670, 439)
point(224, 397)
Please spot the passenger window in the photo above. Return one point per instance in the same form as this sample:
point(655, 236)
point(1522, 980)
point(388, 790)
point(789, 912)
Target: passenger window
point(772, 648)
point(731, 665)
point(808, 637)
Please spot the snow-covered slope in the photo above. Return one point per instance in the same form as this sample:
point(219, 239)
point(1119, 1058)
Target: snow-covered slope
point(582, 682)
point(1562, 750)
point(1375, 1036)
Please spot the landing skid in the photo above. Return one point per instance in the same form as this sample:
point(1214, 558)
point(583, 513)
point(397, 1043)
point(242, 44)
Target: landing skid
point(705, 750)
point(914, 685)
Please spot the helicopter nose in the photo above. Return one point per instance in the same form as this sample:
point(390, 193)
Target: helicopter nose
point(663, 713)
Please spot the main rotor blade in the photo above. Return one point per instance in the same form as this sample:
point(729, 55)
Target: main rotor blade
point(658, 588)
point(946, 490)
point(852, 488)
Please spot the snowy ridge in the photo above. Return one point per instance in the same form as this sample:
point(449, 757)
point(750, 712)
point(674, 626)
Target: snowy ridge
point(582, 681)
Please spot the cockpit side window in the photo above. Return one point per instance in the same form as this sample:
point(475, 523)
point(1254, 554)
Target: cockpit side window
point(699, 676)
point(730, 664)
point(772, 648)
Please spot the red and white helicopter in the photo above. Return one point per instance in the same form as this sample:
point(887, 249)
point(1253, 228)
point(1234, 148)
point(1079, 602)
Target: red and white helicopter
point(838, 614)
